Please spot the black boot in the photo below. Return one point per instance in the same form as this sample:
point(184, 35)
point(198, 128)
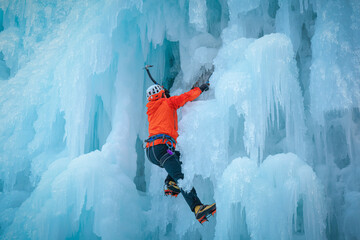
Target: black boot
point(203, 211)
point(171, 188)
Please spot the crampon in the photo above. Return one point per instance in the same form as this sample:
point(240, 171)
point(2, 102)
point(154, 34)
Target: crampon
point(205, 211)
point(171, 189)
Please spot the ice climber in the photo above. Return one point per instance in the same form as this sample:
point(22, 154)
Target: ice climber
point(160, 146)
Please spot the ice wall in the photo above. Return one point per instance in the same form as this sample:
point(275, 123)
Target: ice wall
point(281, 199)
point(57, 109)
point(274, 142)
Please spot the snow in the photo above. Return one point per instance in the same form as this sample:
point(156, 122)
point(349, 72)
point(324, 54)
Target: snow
point(274, 142)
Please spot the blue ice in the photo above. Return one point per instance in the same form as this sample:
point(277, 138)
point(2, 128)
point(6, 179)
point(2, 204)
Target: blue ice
point(274, 142)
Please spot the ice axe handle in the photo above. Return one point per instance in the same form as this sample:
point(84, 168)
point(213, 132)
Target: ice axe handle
point(148, 72)
point(167, 92)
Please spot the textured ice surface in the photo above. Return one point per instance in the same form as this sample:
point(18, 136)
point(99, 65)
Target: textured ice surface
point(279, 200)
point(258, 78)
point(275, 141)
point(334, 83)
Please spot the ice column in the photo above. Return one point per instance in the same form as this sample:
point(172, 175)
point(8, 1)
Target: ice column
point(259, 78)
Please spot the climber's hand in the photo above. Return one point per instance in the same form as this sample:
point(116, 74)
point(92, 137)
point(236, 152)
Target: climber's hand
point(167, 93)
point(204, 87)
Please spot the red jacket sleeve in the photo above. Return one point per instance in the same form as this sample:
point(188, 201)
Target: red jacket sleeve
point(179, 101)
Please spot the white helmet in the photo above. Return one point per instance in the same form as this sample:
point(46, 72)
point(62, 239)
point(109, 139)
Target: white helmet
point(152, 90)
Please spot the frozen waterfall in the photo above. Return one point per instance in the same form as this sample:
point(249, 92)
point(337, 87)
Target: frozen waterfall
point(275, 142)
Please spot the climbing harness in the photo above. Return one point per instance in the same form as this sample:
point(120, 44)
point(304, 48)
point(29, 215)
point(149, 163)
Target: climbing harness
point(167, 140)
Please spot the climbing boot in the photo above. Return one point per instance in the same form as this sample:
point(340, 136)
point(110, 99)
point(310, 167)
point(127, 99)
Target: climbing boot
point(171, 188)
point(202, 212)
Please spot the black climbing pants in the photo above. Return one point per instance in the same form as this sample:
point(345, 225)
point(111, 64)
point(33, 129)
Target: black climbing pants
point(159, 156)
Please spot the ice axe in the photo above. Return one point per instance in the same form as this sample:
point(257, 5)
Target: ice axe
point(167, 92)
point(204, 76)
point(148, 72)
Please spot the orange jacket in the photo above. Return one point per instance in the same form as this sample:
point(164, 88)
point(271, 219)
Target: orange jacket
point(162, 115)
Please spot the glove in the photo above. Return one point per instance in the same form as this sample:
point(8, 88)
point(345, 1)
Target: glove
point(167, 93)
point(204, 87)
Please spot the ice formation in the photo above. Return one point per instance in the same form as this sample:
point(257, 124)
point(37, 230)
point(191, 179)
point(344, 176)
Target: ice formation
point(274, 142)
